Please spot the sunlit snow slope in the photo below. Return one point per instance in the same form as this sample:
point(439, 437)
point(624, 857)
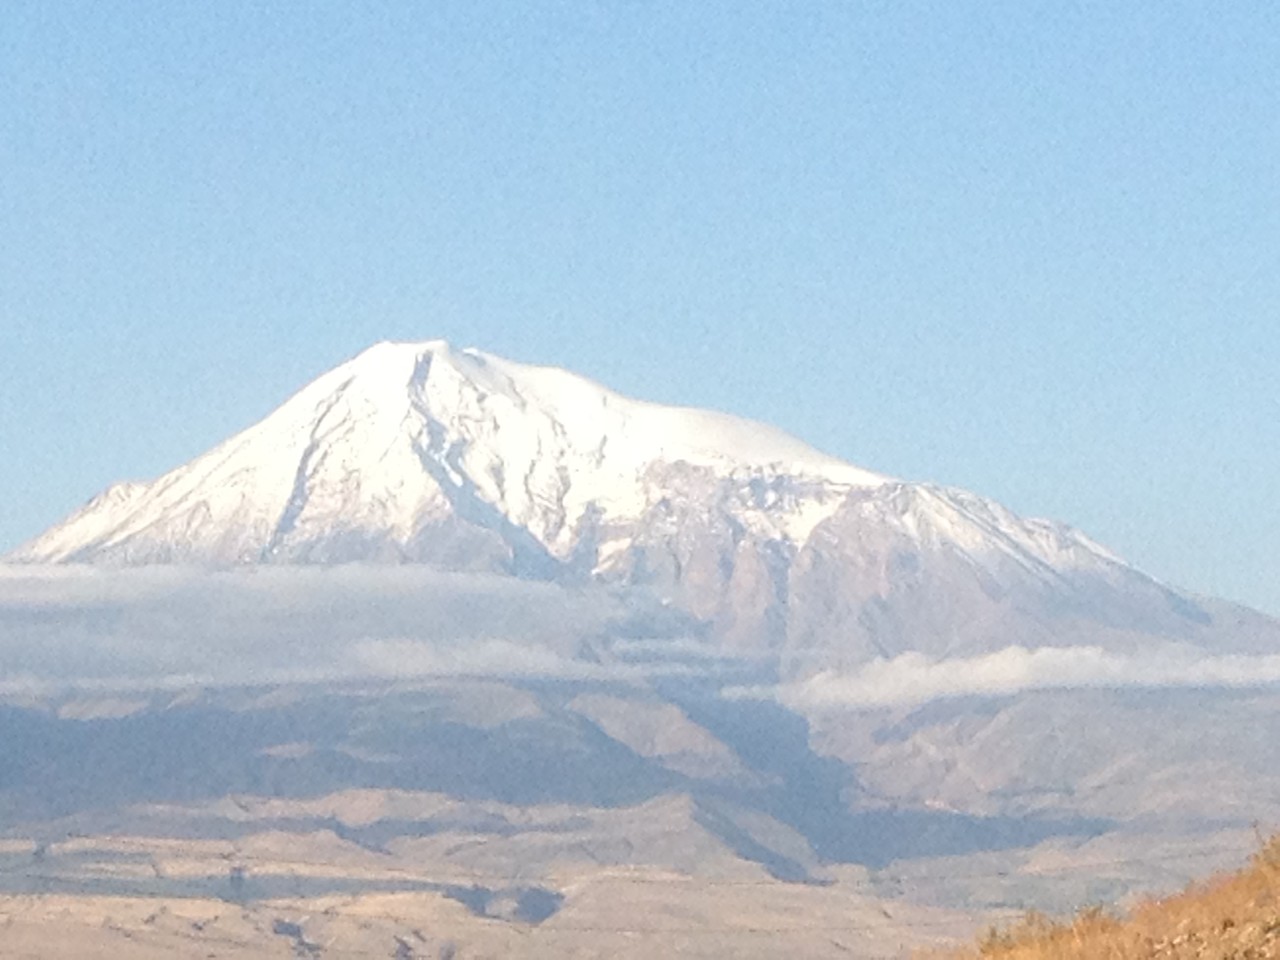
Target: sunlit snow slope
point(382, 451)
point(421, 453)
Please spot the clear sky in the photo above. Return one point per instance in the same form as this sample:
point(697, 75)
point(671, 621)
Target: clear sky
point(1030, 249)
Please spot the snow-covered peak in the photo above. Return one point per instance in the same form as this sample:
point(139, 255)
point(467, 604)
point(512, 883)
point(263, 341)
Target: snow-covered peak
point(406, 437)
point(425, 453)
point(470, 385)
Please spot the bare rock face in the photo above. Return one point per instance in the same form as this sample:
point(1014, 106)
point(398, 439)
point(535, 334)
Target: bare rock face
point(906, 568)
point(709, 545)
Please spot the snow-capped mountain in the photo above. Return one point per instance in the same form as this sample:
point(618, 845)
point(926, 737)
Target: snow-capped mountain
point(374, 458)
point(422, 453)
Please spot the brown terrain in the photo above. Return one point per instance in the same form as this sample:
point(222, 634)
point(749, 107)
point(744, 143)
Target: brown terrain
point(480, 818)
point(288, 893)
point(1234, 916)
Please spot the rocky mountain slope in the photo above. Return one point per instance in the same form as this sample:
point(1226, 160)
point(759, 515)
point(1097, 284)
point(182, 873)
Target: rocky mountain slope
point(421, 453)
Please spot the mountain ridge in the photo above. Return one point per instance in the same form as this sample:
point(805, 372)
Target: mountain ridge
point(422, 453)
point(561, 441)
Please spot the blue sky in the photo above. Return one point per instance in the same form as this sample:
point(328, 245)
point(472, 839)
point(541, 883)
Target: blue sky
point(1030, 249)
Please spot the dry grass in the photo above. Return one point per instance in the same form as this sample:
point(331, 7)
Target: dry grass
point(1230, 917)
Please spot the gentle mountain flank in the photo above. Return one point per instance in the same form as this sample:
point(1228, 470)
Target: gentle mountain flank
point(419, 453)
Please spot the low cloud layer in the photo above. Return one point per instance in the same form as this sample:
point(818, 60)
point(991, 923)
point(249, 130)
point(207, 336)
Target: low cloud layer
point(172, 626)
point(913, 678)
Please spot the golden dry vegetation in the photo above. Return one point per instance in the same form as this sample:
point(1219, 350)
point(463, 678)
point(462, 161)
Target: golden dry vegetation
point(1229, 917)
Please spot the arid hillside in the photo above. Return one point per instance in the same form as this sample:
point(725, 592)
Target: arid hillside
point(1230, 917)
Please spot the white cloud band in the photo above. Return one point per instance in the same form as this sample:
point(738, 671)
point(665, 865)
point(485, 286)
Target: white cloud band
point(913, 678)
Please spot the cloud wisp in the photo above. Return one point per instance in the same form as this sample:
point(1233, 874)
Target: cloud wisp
point(913, 678)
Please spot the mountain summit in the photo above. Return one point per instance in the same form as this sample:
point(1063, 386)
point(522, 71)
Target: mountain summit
point(422, 453)
point(397, 453)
